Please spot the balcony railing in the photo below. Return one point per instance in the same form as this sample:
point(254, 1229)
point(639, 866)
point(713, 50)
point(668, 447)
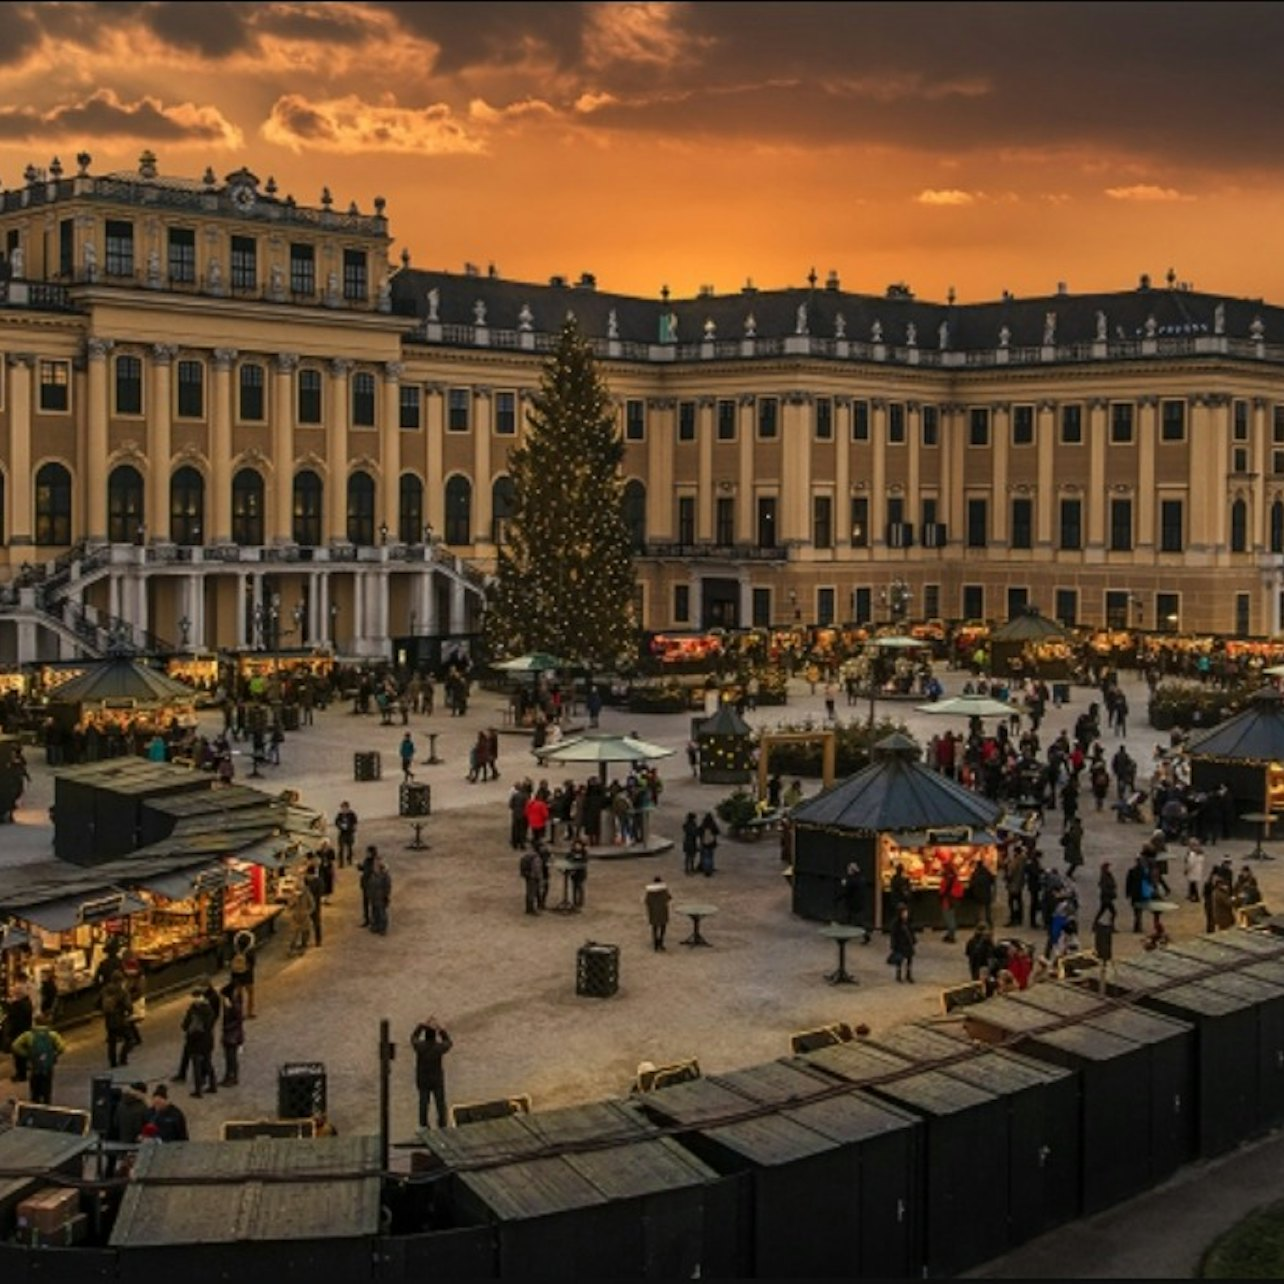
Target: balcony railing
point(716, 552)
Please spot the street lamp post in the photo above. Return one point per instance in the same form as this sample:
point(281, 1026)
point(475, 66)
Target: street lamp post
point(185, 625)
point(299, 612)
point(334, 615)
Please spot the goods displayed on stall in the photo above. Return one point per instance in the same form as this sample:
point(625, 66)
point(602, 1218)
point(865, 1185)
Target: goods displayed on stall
point(265, 664)
point(200, 671)
point(1031, 645)
point(13, 682)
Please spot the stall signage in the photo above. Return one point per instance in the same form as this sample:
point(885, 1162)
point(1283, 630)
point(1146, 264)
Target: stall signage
point(1275, 787)
point(208, 880)
point(957, 836)
point(120, 702)
point(103, 907)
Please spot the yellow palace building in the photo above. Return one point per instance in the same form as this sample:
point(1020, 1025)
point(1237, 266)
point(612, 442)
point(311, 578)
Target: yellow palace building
point(228, 420)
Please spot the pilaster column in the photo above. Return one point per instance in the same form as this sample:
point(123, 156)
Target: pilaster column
point(1045, 442)
point(482, 422)
point(842, 472)
point(458, 607)
point(705, 428)
point(954, 430)
point(336, 449)
point(218, 512)
point(746, 448)
point(1261, 509)
point(21, 482)
point(661, 431)
point(914, 465)
point(160, 440)
point(258, 609)
point(390, 448)
point(435, 428)
point(795, 469)
point(281, 529)
point(1098, 427)
point(1000, 446)
point(1146, 430)
point(878, 473)
point(358, 610)
point(94, 477)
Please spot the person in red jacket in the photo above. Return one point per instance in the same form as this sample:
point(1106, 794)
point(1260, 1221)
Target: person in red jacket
point(952, 890)
point(536, 818)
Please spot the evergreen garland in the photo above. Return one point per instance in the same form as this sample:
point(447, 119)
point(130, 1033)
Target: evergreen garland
point(565, 580)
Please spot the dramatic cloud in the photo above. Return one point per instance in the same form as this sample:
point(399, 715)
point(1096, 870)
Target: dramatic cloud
point(104, 116)
point(351, 125)
point(1146, 192)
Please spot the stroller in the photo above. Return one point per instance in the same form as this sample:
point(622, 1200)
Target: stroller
point(1129, 809)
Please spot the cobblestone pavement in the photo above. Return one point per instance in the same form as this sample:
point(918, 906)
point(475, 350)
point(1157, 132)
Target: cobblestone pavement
point(461, 948)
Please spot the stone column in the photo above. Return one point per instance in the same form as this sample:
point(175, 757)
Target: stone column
point(94, 478)
point(281, 529)
point(358, 610)
point(878, 473)
point(21, 482)
point(706, 426)
point(661, 432)
point(195, 611)
point(258, 611)
point(914, 467)
point(745, 449)
point(1045, 442)
point(427, 608)
point(795, 469)
point(458, 607)
point(240, 608)
point(435, 428)
point(1000, 446)
point(1261, 509)
point(390, 450)
point(336, 449)
point(842, 472)
point(218, 511)
point(482, 465)
point(159, 440)
point(1096, 498)
point(1147, 428)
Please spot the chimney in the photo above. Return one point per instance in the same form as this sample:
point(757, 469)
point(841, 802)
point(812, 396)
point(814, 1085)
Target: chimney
point(1144, 283)
point(706, 292)
point(831, 281)
point(587, 281)
point(471, 269)
point(558, 282)
point(1061, 288)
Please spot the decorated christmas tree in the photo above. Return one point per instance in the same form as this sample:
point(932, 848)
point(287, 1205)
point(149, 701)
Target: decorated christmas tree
point(565, 582)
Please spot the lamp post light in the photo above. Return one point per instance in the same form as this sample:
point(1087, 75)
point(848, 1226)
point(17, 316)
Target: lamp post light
point(383, 534)
point(793, 605)
point(185, 626)
point(299, 612)
point(334, 615)
point(258, 626)
point(274, 618)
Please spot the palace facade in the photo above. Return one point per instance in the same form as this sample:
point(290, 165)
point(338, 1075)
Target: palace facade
point(226, 420)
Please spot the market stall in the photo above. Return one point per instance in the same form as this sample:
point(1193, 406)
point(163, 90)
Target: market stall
point(200, 670)
point(894, 811)
point(1031, 645)
point(725, 742)
point(1246, 754)
point(295, 663)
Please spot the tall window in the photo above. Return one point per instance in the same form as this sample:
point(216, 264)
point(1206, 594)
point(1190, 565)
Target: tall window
point(931, 425)
point(303, 270)
point(768, 418)
point(1121, 525)
point(1117, 604)
point(932, 601)
point(354, 276)
point(766, 521)
point(686, 421)
point(1243, 614)
point(129, 385)
point(309, 395)
point(1023, 425)
point(1168, 612)
point(119, 259)
point(860, 521)
point(686, 519)
point(247, 508)
point(503, 503)
point(53, 505)
point(863, 605)
point(1071, 524)
point(458, 403)
point(1171, 525)
point(724, 521)
point(250, 384)
point(824, 419)
point(361, 509)
point(186, 506)
point(824, 606)
point(682, 603)
point(307, 509)
point(410, 400)
point(363, 399)
point(459, 511)
point(1066, 607)
point(1021, 534)
point(635, 514)
point(860, 420)
point(67, 247)
point(726, 420)
point(1071, 425)
point(978, 430)
point(245, 271)
point(978, 523)
point(125, 513)
point(1239, 527)
point(506, 414)
point(973, 601)
point(822, 521)
point(1121, 413)
point(1239, 421)
point(410, 509)
point(191, 390)
point(1018, 600)
point(181, 245)
point(634, 420)
point(896, 423)
point(55, 386)
point(1172, 421)
point(1277, 526)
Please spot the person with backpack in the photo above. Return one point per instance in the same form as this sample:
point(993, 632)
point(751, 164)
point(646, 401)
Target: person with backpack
point(40, 1047)
point(117, 1008)
point(198, 1042)
point(709, 832)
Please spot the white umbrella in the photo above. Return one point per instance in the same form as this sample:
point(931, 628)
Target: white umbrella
point(602, 748)
point(534, 662)
point(901, 643)
point(973, 706)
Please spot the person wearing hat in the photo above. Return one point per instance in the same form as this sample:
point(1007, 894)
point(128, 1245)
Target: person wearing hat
point(169, 1122)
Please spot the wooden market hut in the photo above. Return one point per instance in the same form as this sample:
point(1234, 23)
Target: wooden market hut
point(113, 693)
point(1030, 644)
point(725, 741)
point(1245, 753)
point(895, 795)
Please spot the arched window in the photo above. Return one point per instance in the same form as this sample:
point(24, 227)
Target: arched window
point(307, 509)
point(361, 509)
point(247, 507)
point(410, 510)
point(635, 513)
point(125, 513)
point(503, 500)
point(1277, 526)
point(186, 506)
point(53, 505)
point(1239, 527)
point(459, 511)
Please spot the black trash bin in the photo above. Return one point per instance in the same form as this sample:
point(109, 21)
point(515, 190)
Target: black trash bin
point(300, 1090)
point(415, 799)
point(367, 766)
point(597, 970)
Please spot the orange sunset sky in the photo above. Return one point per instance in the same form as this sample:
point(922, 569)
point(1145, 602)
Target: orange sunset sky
point(980, 146)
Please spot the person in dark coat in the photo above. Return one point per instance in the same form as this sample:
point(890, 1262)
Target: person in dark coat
point(128, 1116)
point(690, 843)
point(979, 951)
point(316, 885)
point(1072, 842)
point(430, 1043)
point(1034, 884)
point(198, 1042)
point(364, 870)
point(233, 1031)
point(578, 858)
point(19, 1014)
point(380, 893)
point(851, 895)
point(709, 833)
point(117, 1008)
point(903, 943)
point(657, 897)
point(1136, 884)
point(1108, 892)
point(168, 1120)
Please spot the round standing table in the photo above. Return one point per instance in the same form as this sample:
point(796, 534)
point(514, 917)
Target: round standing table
point(695, 913)
point(842, 933)
point(565, 868)
point(1263, 818)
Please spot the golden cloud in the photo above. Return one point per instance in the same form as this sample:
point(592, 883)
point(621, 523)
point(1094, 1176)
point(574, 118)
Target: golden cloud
point(1146, 192)
point(104, 115)
point(642, 33)
point(351, 125)
point(945, 196)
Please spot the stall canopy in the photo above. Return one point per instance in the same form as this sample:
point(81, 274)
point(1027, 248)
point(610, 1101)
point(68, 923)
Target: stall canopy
point(122, 679)
point(896, 792)
point(1015, 646)
point(1246, 754)
point(726, 722)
